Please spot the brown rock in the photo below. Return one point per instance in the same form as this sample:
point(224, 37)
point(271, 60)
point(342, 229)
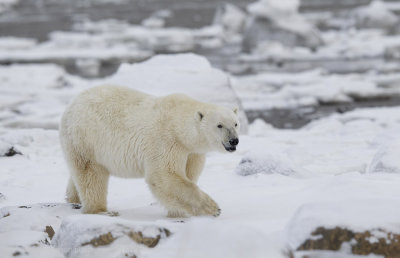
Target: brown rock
point(387, 244)
point(50, 231)
point(104, 239)
point(137, 236)
point(148, 241)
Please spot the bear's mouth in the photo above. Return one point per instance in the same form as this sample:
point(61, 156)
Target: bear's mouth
point(229, 148)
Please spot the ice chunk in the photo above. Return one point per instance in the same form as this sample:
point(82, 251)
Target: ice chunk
point(274, 20)
point(182, 73)
point(376, 15)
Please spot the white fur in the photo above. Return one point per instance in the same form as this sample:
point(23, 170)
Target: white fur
point(112, 130)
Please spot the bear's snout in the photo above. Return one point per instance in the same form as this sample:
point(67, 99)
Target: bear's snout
point(234, 141)
point(232, 144)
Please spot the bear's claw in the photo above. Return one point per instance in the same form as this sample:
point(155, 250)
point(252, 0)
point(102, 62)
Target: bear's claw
point(218, 213)
point(208, 207)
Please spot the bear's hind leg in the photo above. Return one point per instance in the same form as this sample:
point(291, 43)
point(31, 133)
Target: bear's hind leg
point(92, 183)
point(72, 193)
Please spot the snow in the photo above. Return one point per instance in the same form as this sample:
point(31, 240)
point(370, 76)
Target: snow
point(333, 254)
point(339, 170)
point(386, 159)
point(274, 191)
point(208, 238)
point(259, 161)
point(319, 147)
point(22, 229)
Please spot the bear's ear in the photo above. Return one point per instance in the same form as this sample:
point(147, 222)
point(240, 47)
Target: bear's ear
point(235, 110)
point(200, 115)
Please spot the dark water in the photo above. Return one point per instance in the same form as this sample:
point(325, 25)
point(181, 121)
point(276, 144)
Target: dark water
point(36, 18)
point(299, 117)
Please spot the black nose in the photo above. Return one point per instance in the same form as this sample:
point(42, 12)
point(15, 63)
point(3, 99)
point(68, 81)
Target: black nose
point(234, 141)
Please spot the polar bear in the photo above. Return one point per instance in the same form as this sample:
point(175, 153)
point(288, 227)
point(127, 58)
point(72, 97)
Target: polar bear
point(112, 130)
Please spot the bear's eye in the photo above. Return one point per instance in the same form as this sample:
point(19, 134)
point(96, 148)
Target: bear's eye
point(219, 126)
point(236, 125)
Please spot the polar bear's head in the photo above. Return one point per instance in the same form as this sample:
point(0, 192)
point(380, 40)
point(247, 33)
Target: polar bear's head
point(220, 127)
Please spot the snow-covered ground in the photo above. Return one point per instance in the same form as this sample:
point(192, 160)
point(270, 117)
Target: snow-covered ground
point(269, 190)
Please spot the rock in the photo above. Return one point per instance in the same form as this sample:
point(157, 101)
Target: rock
point(81, 235)
point(360, 228)
point(379, 242)
point(11, 152)
point(50, 231)
point(148, 241)
point(137, 236)
point(104, 239)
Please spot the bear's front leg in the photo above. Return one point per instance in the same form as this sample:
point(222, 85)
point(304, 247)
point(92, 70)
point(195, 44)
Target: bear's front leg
point(194, 165)
point(181, 196)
